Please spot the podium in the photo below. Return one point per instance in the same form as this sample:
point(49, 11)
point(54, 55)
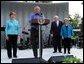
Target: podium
point(40, 23)
point(3, 41)
point(2, 28)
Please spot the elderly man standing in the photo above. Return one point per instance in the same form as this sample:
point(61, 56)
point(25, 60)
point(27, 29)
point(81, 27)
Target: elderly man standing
point(55, 32)
point(35, 29)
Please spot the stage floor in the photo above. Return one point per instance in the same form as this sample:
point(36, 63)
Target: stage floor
point(47, 53)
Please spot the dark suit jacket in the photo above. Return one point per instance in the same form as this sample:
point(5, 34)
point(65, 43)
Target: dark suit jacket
point(55, 30)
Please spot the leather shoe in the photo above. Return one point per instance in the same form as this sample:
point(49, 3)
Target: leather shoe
point(54, 52)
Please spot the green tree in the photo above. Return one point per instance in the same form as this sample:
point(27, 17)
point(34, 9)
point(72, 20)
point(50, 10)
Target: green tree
point(74, 21)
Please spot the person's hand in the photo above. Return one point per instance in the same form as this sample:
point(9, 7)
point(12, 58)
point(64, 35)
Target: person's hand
point(7, 38)
point(62, 37)
point(51, 35)
point(18, 36)
point(18, 40)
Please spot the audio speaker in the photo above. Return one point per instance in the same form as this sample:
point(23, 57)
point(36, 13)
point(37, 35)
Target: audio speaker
point(58, 59)
point(29, 60)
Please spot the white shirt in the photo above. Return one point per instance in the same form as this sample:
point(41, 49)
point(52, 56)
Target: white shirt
point(57, 23)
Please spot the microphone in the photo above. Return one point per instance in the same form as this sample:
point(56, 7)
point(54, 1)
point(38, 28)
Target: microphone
point(37, 14)
point(41, 13)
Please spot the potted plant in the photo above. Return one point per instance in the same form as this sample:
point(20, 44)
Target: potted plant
point(71, 60)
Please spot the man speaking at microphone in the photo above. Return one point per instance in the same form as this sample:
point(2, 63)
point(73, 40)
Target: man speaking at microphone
point(35, 29)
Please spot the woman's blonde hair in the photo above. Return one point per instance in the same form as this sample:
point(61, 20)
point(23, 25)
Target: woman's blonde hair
point(66, 19)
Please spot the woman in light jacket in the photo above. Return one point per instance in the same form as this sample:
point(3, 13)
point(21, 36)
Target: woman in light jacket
point(12, 32)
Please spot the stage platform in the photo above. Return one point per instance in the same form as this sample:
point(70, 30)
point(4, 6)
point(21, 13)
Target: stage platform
point(47, 53)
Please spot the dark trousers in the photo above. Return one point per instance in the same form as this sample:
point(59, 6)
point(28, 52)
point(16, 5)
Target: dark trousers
point(56, 43)
point(11, 43)
point(67, 44)
point(35, 42)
